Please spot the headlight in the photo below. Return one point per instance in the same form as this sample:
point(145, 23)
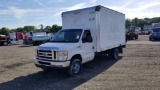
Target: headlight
point(62, 55)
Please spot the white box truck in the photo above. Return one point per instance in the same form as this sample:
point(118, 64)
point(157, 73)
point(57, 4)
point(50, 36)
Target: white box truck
point(85, 33)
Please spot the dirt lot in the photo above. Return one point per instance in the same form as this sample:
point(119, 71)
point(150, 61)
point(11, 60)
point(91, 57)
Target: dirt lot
point(137, 69)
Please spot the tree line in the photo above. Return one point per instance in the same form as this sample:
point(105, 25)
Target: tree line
point(141, 22)
point(52, 29)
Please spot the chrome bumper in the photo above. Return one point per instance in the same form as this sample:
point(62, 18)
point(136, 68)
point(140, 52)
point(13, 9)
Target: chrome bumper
point(50, 63)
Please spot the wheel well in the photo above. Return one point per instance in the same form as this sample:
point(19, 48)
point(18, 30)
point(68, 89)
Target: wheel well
point(77, 56)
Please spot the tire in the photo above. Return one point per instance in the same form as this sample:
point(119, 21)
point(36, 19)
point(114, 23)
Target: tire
point(5, 43)
point(114, 54)
point(39, 43)
point(75, 67)
point(150, 39)
point(136, 37)
point(34, 43)
point(131, 37)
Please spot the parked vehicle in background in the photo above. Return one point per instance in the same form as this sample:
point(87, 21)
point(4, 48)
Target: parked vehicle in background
point(4, 40)
point(132, 33)
point(85, 33)
point(147, 29)
point(155, 35)
point(16, 37)
point(37, 38)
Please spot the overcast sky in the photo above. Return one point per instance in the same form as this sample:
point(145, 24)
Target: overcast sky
point(18, 13)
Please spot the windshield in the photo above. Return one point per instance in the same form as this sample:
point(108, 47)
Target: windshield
point(67, 35)
point(156, 30)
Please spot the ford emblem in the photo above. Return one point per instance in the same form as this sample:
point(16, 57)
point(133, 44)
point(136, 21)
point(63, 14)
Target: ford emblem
point(44, 54)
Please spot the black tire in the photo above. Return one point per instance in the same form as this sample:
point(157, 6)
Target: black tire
point(150, 39)
point(5, 43)
point(114, 54)
point(34, 43)
point(75, 67)
point(131, 37)
point(136, 37)
point(39, 43)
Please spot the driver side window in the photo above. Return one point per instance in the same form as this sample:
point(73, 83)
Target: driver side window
point(87, 36)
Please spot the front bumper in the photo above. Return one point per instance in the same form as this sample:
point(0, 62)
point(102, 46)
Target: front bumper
point(50, 63)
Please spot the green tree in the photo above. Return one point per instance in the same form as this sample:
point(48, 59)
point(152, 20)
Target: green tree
point(55, 28)
point(128, 23)
point(42, 27)
point(12, 30)
point(147, 21)
point(29, 28)
point(135, 22)
point(47, 29)
point(19, 29)
point(141, 23)
point(4, 31)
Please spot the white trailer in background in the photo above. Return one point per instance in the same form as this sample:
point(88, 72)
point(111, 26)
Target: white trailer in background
point(86, 32)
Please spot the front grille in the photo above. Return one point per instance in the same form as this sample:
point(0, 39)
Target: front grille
point(47, 54)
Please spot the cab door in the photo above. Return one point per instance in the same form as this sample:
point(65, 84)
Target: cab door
point(87, 46)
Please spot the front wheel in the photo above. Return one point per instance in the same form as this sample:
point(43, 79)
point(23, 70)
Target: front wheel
point(75, 67)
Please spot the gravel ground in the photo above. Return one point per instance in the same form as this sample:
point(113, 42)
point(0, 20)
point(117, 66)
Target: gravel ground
point(137, 69)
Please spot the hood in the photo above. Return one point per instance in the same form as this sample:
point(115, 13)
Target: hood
point(57, 46)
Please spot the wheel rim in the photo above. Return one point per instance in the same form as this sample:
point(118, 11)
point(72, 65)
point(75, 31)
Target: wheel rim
point(76, 68)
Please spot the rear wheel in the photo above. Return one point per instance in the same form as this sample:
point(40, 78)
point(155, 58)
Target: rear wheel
point(114, 54)
point(75, 67)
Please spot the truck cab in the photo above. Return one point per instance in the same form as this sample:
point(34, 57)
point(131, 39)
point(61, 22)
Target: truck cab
point(155, 34)
point(67, 45)
point(16, 37)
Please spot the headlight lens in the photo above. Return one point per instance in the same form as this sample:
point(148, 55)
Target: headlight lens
point(62, 55)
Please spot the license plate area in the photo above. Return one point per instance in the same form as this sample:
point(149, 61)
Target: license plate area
point(44, 63)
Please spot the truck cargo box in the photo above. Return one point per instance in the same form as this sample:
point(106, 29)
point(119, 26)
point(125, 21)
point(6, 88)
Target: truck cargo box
point(107, 26)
